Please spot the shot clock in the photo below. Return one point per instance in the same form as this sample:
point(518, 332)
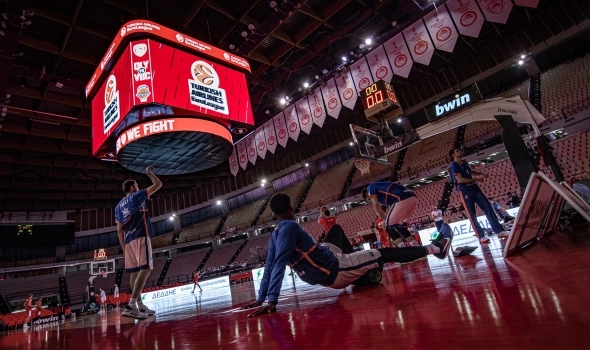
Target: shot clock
point(380, 98)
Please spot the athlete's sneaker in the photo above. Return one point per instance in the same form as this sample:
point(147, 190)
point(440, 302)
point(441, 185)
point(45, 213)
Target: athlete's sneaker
point(504, 234)
point(146, 310)
point(444, 245)
point(484, 239)
point(463, 251)
point(134, 312)
point(25, 326)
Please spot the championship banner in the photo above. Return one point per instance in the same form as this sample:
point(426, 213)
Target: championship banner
point(361, 74)
point(271, 136)
point(496, 10)
point(419, 43)
point(330, 95)
point(441, 29)
point(260, 142)
point(398, 55)
point(292, 122)
point(242, 153)
point(251, 147)
point(379, 65)
point(281, 129)
point(316, 105)
point(234, 167)
point(527, 3)
point(346, 90)
point(467, 16)
point(304, 115)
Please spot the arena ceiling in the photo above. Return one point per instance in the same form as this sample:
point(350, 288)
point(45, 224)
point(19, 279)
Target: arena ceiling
point(49, 54)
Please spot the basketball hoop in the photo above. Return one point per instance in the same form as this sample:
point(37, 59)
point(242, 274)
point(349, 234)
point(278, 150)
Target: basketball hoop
point(104, 274)
point(363, 165)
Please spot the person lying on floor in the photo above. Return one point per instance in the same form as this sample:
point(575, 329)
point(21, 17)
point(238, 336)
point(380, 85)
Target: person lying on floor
point(331, 264)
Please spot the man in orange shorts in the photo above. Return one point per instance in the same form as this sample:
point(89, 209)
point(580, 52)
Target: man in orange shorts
point(134, 229)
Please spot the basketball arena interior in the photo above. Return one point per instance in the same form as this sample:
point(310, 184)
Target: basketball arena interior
point(288, 96)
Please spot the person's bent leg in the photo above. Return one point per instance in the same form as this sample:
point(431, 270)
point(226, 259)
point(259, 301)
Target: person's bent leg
point(438, 224)
point(337, 237)
point(399, 213)
point(482, 202)
point(468, 203)
point(403, 255)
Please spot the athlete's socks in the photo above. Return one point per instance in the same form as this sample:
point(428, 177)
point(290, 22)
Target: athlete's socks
point(432, 249)
point(414, 244)
point(132, 301)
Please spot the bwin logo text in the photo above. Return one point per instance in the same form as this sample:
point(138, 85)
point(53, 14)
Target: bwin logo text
point(449, 106)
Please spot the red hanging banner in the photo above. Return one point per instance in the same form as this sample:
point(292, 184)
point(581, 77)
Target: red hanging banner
point(441, 29)
point(467, 16)
point(398, 55)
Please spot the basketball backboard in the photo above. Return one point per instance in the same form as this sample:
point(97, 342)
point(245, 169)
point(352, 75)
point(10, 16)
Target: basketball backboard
point(375, 147)
point(98, 267)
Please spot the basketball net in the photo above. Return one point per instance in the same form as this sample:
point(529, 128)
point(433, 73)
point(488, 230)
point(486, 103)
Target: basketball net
point(363, 165)
point(104, 274)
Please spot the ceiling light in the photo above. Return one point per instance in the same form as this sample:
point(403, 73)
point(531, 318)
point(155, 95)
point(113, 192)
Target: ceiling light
point(325, 71)
point(283, 101)
point(351, 143)
point(273, 4)
point(4, 109)
point(232, 46)
point(306, 85)
point(263, 181)
point(244, 33)
point(2, 33)
point(218, 202)
point(287, 98)
point(4, 15)
point(171, 218)
point(3, 24)
point(368, 41)
point(344, 58)
point(3, 114)
point(520, 62)
point(251, 27)
point(523, 56)
point(306, 164)
point(399, 120)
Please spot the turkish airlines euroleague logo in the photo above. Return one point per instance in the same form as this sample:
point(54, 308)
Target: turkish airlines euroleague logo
point(112, 111)
point(204, 88)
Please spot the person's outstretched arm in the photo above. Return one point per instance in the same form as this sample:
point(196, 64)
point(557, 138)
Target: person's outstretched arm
point(156, 183)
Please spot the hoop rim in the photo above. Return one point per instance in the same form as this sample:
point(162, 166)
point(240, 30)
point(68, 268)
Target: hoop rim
point(363, 165)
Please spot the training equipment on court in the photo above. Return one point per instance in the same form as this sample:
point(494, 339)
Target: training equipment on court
point(371, 277)
point(540, 210)
point(463, 251)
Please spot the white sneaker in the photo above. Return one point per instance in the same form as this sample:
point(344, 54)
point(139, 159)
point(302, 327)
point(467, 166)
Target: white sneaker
point(25, 326)
point(133, 312)
point(146, 310)
point(485, 239)
point(504, 234)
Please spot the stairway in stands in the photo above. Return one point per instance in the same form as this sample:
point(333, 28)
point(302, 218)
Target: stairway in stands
point(262, 208)
point(205, 258)
point(220, 226)
point(304, 194)
point(347, 183)
point(398, 165)
point(233, 258)
point(164, 272)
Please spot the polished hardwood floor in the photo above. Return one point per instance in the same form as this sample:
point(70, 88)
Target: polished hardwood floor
point(537, 299)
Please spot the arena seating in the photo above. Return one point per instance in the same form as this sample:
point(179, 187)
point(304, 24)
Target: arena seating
point(243, 216)
point(184, 264)
point(256, 241)
point(35, 284)
point(17, 319)
point(358, 219)
point(565, 89)
point(204, 229)
point(428, 154)
point(313, 228)
point(295, 191)
point(428, 196)
point(573, 155)
point(327, 186)
point(221, 255)
point(162, 241)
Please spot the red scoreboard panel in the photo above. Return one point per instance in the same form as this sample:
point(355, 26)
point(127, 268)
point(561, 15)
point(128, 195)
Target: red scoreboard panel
point(152, 79)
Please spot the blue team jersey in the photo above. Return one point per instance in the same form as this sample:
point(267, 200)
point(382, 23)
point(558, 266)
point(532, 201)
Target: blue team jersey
point(389, 193)
point(131, 212)
point(291, 244)
point(460, 168)
point(499, 210)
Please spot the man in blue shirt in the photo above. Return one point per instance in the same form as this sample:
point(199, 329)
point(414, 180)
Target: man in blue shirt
point(134, 229)
point(470, 194)
point(501, 212)
point(401, 202)
point(332, 264)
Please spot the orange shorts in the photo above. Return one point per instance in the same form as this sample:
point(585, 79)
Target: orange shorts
point(138, 255)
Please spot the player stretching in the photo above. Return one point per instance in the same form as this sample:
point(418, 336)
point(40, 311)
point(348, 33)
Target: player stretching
point(135, 229)
point(401, 202)
point(332, 264)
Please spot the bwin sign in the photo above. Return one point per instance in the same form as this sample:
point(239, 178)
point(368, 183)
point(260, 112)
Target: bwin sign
point(392, 147)
point(452, 105)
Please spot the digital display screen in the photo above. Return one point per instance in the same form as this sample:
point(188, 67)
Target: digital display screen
point(453, 103)
point(35, 235)
point(377, 93)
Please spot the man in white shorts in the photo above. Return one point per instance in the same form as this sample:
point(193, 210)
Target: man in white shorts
point(325, 264)
point(134, 229)
point(437, 216)
point(116, 296)
point(103, 300)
